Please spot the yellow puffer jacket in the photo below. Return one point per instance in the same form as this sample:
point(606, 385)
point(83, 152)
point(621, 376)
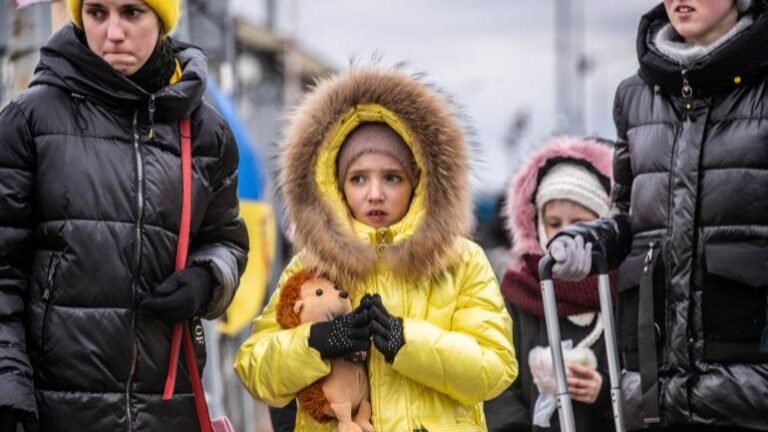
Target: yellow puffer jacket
point(458, 350)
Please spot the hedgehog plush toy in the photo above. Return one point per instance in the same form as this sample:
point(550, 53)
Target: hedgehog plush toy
point(343, 394)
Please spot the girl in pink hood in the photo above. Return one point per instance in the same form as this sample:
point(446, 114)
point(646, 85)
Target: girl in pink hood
point(567, 181)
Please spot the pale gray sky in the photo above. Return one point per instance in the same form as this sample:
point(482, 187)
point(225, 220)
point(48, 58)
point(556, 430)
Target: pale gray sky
point(495, 56)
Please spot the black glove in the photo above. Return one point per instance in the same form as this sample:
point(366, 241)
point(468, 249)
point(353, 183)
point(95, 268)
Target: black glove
point(181, 296)
point(341, 336)
point(387, 330)
point(7, 420)
point(10, 421)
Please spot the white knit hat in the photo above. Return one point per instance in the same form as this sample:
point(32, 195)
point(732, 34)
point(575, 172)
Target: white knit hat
point(572, 182)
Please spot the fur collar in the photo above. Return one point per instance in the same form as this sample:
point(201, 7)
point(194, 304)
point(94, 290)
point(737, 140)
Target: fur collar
point(520, 209)
point(739, 61)
point(669, 43)
point(440, 210)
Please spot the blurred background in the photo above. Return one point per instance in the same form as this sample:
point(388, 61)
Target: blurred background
point(522, 70)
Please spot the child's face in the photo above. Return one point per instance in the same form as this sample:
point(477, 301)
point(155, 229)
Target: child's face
point(560, 213)
point(701, 22)
point(377, 190)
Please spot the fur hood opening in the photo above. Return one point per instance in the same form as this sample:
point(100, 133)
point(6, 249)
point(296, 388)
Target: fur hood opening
point(520, 208)
point(423, 241)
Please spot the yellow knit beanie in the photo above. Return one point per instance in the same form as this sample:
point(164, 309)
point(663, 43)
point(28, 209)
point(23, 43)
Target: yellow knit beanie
point(167, 10)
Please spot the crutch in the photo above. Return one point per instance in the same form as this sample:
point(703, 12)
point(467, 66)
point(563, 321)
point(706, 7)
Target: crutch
point(564, 405)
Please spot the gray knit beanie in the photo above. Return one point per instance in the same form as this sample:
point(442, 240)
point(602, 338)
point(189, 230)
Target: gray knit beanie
point(572, 182)
point(375, 138)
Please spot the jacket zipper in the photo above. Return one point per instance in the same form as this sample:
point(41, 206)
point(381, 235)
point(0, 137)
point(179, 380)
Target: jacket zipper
point(672, 177)
point(381, 238)
point(687, 90)
point(137, 260)
point(151, 110)
point(48, 294)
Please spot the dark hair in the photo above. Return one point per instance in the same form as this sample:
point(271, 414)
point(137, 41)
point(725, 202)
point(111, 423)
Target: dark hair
point(162, 41)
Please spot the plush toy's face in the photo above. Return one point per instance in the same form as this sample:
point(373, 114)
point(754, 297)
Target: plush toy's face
point(321, 300)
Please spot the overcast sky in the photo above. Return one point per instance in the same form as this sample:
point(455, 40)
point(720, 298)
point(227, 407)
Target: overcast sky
point(495, 56)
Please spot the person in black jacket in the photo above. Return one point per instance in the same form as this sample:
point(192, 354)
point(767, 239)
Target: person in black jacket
point(690, 224)
point(567, 180)
point(90, 203)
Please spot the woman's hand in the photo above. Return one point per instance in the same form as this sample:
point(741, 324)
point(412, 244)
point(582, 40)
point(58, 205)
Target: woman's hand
point(584, 383)
point(181, 297)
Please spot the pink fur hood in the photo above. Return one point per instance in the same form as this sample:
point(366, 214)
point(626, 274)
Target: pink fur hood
point(520, 211)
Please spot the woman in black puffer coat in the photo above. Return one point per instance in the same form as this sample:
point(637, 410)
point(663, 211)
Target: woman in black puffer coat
point(90, 198)
point(690, 226)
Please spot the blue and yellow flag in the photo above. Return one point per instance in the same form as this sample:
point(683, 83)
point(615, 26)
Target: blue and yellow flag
point(259, 217)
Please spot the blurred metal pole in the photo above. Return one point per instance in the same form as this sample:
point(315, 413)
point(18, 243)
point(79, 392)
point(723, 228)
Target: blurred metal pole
point(563, 64)
point(214, 387)
point(5, 47)
point(292, 60)
point(271, 14)
point(29, 29)
point(229, 80)
point(182, 31)
point(578, 67)
point(570, 66)
point(59, 15)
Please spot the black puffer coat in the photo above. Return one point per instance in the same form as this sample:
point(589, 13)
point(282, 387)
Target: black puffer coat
point(89, 215)
point(691, 219)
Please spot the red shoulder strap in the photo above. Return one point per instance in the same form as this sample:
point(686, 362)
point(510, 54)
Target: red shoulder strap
point(181, 330)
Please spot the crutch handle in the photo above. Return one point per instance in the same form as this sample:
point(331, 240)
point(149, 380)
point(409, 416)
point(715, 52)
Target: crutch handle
point(599, 264)
point(545, 267)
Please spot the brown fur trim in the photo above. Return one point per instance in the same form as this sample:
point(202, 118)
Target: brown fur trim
point(290, 292)
point(312, 401)
point(328, 243)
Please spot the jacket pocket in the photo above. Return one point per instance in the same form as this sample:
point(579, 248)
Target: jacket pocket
point(645, 258)
point(734, 300)
point(49, 294)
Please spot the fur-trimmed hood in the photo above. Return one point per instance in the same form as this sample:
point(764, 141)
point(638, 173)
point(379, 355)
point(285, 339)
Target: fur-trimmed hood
point(520, 208)
point(440, 210)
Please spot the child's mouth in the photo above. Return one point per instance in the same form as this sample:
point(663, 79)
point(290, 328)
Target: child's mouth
point(377, 215)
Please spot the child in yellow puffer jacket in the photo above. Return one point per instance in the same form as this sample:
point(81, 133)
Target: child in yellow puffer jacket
point(375, 177)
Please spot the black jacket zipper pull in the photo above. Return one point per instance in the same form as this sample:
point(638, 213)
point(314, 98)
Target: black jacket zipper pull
point(151, 110)
point(687, 90)
point(687, 93)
